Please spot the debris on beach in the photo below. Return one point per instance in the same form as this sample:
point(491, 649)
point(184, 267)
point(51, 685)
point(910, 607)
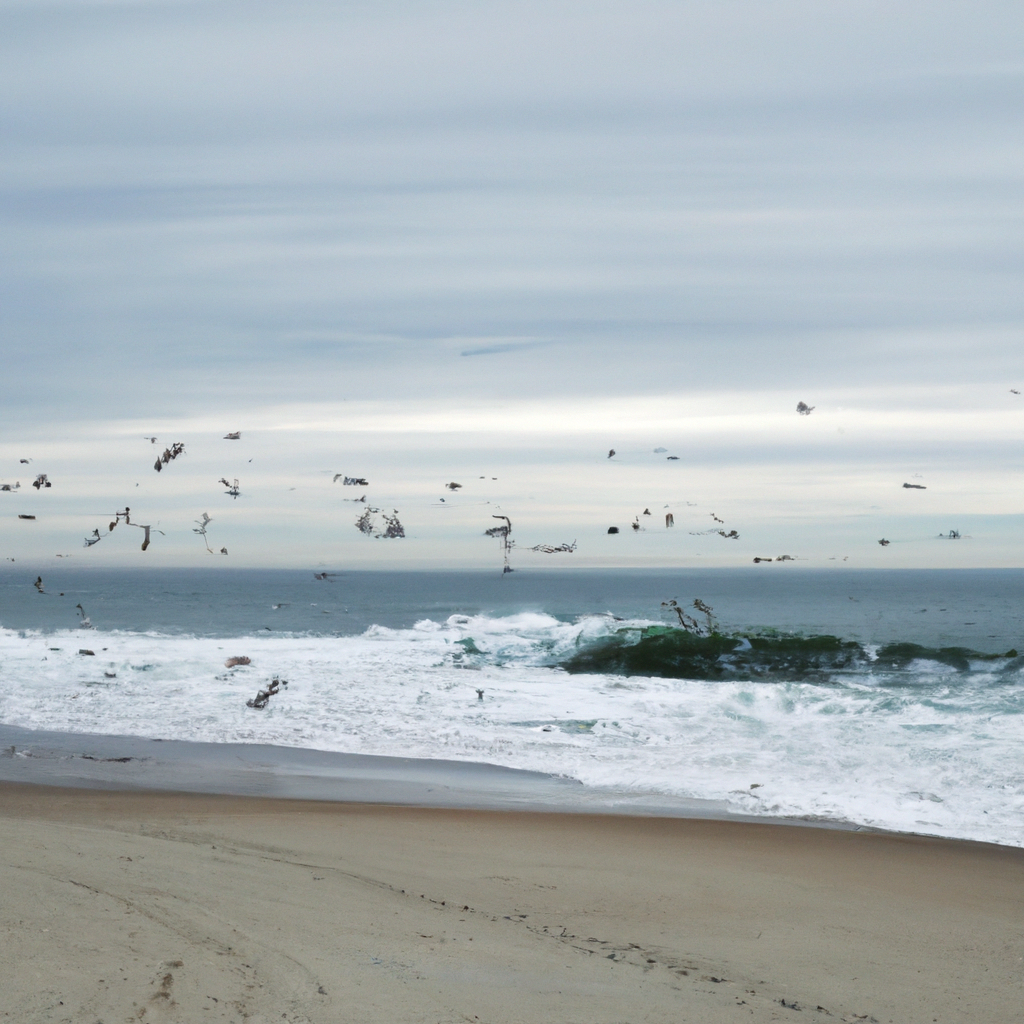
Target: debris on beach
point(11, 487)
point(85, 650)
point(26, 517)
point(39, 584)
point(759, 560)
point(351, 481)
point(41, 481)
point(232, 488)
point(86, 622)
point(915, 487)
point(952, 535)
point(262, 698)
point(169, 455)
point(235, 435)
point(670, 520)
point(549, 549)
point(611, 452)
point(453, 486)
point(613, 529)
point(885, 543)
point(232, 662)
point(804, 409)
point(94, 539)
point(151, 440)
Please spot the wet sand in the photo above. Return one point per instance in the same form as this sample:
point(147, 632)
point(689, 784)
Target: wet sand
point(125, 906)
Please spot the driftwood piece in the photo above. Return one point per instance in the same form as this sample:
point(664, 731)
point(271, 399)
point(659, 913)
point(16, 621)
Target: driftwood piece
point(232, 662)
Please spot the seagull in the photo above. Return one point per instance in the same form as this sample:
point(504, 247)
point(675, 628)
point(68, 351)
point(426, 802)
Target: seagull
point(145, 542)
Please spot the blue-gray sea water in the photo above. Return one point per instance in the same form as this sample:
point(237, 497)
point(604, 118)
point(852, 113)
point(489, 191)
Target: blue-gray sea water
point(887, 698)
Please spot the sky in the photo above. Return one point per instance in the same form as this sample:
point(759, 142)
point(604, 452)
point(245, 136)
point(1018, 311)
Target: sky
point(425, 243)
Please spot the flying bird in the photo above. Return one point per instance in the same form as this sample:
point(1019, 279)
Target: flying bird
point(169, 454)
point(145, 542)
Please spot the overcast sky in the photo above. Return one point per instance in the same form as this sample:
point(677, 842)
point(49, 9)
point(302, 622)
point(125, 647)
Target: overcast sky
point(433, 242)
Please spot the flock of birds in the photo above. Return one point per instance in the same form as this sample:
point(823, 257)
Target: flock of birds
point(378, 523)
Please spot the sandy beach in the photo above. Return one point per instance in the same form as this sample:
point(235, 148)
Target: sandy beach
point(126, 906)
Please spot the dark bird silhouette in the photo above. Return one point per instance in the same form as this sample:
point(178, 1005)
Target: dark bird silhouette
point(169, 455)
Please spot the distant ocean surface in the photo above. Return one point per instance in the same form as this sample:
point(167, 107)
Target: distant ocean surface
point(887, 698)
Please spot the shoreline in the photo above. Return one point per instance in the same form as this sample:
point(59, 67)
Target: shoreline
point(167, 907)
point(135, 764)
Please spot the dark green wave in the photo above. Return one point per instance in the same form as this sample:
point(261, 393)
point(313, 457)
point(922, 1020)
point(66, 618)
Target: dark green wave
point(674, 653)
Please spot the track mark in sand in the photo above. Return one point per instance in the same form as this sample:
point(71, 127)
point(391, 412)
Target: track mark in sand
point(706, 977)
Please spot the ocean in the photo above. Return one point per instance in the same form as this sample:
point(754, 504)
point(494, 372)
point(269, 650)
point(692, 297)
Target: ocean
point(891, 699)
